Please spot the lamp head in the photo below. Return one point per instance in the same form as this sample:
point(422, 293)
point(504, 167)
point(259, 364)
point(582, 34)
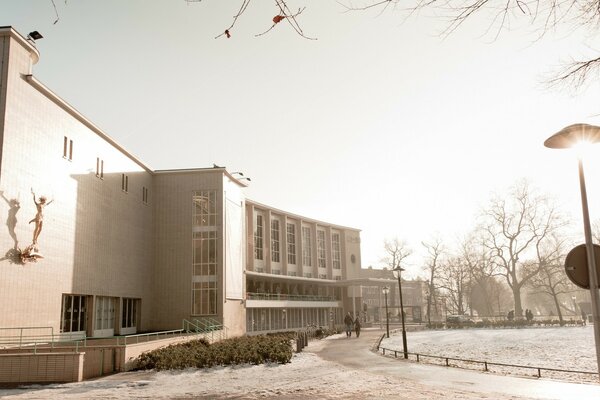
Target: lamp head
point(35, 35)
point(385, 290)
point(574, 136)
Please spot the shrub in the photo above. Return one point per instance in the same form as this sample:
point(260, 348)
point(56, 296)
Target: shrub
point(201, 354)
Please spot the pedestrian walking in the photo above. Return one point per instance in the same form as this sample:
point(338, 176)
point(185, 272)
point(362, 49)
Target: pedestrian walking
point(357, 326)
point(348, 321)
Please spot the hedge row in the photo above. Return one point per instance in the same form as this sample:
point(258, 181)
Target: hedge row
point(520, 323)
point(201, 354)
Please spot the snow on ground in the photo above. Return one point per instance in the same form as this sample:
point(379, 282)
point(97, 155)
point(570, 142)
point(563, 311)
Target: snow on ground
point(306, 377)
point(570, 348)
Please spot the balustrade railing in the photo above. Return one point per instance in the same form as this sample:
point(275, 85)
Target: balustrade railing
point(290, 297)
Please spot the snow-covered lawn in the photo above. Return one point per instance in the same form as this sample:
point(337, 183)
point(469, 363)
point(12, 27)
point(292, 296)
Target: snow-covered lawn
point(306, 377)
point(570, 348)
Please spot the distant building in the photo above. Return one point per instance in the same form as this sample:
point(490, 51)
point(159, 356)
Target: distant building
point(126, 249)
point(413, 295)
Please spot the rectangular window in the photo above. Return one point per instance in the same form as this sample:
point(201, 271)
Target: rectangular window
point(322, 276)
point(144, 195)
point(204, 242)
point(275, 241)
point(129, 313)
point(99, 168)
point(67, 149)
point(335, 251)
point(291, 243)
point(105, 313)
point(306, 247)
point(73, 313)
point(258, 237)
point(321, 260)
point(124, 183)
point(205, 208)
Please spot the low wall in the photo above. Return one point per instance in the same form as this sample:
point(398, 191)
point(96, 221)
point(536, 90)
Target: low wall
point(44, 364)
point(41, 368)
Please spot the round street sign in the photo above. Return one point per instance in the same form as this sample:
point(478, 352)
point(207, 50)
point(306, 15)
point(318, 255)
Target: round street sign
point(576, 266)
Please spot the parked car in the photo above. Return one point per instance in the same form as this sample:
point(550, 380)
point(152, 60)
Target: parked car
point(459, 319)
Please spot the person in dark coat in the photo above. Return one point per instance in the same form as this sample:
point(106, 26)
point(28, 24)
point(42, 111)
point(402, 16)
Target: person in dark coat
point(348, 321)
point(357, 326)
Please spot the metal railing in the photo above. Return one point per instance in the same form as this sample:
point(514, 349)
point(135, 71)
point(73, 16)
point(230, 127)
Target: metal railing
point(485, 364)
point(208, 327)
point(291, 297)
point(22, 337)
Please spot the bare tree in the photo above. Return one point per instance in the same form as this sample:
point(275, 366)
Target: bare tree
point(480, 267)
point(454, 279)
point(435, 249)
point(516, 227)
point(540, 17)
point(551, 279)
point(396, 251)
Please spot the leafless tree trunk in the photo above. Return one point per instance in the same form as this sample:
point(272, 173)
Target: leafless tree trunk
point(551, 279)
point(515, 228)
point(480, 268)
point(396, 252)
point(434, 249)
point(454, 279)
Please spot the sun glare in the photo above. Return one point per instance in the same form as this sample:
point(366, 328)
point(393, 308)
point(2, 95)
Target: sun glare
point(582, 148)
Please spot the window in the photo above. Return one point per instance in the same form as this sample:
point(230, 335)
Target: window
point(129, 313)
point(292, 273)
point(338, 278)
point(68, 149)
point(205, 208)
point(335, 251)
point(204, 242)
point(258, 237)
point(105, 313)
point(322, 276)
point(306, 247)
point(275, 241)
point(144, 195)
point(308, 275)
point(124, 183)
point(99, 168)
point(291, 243)
point(321, 261)
point(73, 313)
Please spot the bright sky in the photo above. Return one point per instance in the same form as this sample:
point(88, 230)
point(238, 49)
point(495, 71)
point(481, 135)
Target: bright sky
point(379, 124)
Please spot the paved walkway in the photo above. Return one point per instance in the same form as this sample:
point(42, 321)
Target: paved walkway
point(356, 353)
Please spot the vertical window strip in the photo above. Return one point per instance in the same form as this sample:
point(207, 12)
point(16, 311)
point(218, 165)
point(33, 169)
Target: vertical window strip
point(258, 237)
point(204, 242)
point(322, 262)
point(65, 147)
point(70, 150)
point(101, 169)
point(306, 247)
point(335, 251)
point(291, 243)
point(275, 241)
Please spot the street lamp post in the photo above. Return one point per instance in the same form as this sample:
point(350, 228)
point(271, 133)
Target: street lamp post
point(568, 137)
point(398, 274)
point(386, 290)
